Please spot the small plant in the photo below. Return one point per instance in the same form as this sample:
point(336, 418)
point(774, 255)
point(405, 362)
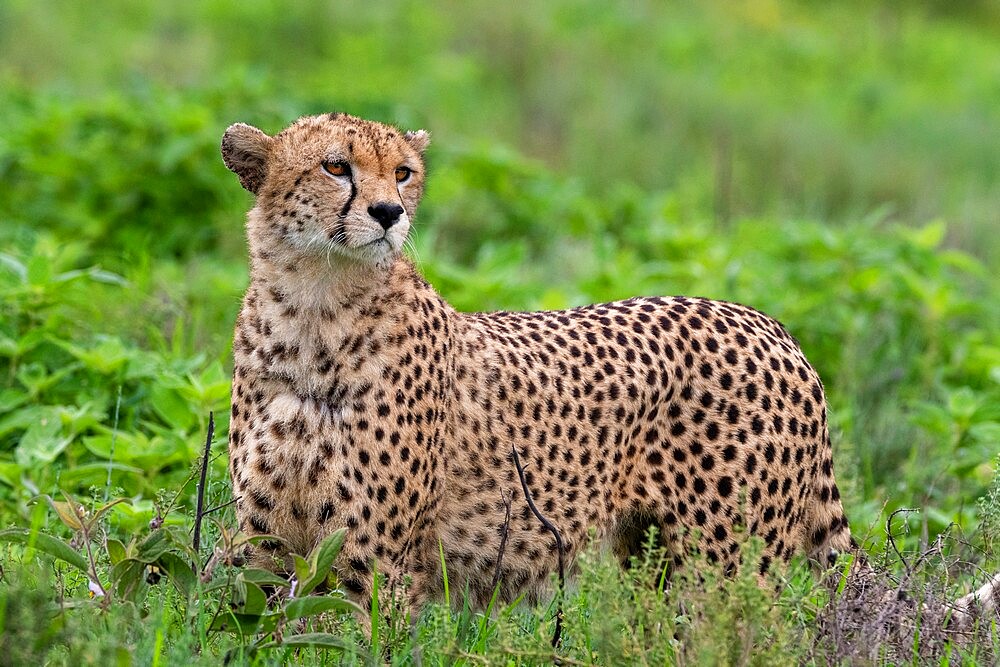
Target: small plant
point(118, 573)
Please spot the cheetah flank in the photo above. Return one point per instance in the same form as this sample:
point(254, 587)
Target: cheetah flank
point(361, 399)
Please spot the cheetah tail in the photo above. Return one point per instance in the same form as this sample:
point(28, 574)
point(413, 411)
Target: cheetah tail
point(982, 603)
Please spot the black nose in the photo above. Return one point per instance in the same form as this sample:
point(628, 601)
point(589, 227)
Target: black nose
point(386, 214)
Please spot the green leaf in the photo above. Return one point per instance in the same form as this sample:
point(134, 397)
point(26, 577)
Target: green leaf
point(104, 509)
point(47, 544)
point(315, 640)
point(39, 270)
point(95, 473)
point(248, 597)
point(128, 577)
point(246, 624)
point(302, 571)
point(179, 572)
point(173, 409)
point(321, 561)
point(263, 577)
point(157, 543)
point(319, 604)
point(14, 265)
point(10, 473)
point(116, 550)
point(44, 440)
point(242, 538)
point(100, 275)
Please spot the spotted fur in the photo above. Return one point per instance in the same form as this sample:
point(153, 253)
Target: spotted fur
point(361, 399)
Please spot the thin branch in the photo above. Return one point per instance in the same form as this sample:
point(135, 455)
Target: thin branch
point(219, 507)
point(199, 511)
point(892, 541)
point(503, 538)
point(560, 548)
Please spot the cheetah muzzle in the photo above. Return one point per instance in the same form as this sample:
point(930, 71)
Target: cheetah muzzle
point(361, 399)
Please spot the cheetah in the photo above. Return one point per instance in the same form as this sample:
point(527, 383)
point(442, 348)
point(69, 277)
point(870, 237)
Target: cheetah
point(362, 400)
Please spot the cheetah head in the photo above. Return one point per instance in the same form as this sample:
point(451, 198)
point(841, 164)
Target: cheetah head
point(332, 185)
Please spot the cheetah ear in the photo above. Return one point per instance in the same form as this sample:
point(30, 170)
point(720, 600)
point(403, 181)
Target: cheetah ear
point(419, 140)
point(245, 151)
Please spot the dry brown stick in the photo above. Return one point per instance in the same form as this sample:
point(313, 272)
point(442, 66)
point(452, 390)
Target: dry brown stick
point(560, 548)
point(503, 539)
point(200, 508)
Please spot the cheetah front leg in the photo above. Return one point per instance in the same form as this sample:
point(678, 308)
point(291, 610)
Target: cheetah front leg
point(394, 544)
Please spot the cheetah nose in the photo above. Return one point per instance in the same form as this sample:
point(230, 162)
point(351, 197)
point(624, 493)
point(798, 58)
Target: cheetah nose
point(386, 214)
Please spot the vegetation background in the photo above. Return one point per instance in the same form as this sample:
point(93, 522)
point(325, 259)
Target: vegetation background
point(836, 165)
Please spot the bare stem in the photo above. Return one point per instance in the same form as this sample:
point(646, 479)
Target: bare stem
point(503, 539)
point(560, 547)
point(200, 509)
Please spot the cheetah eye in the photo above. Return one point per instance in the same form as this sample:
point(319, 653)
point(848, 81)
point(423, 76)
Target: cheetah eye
point(403, 174)
point(337, 168)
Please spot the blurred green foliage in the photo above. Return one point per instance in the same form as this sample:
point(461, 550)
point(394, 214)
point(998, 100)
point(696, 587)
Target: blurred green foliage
point(834, 165)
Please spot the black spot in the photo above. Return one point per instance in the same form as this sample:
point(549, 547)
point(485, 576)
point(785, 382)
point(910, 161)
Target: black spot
point(258, 524)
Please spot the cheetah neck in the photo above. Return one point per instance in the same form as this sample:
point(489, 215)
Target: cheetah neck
point(311, 322)
point(312, 282)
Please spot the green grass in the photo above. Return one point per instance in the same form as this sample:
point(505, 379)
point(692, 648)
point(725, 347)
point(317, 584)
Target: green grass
point(833, 165)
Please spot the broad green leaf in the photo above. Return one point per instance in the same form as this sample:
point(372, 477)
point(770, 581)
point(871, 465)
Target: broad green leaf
point(302, 572)
point(319, 604)
point(14, 265)
point(21, 419)
point(243, 538)
point(44, 440)
point(174, 410)
point(157, 543)
point(12, 398)
point(10, 473)
point(930, 235)
point(321, 561)
point(263, 577)
point(180, 573)
point(47, 544)
point(246, 624)
point(128, 577)
point(104, 509)
point(39, 270)
point(95, 473)
point(322, 640)
point(116, 550)
point(249, 597)
point(100, 275)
